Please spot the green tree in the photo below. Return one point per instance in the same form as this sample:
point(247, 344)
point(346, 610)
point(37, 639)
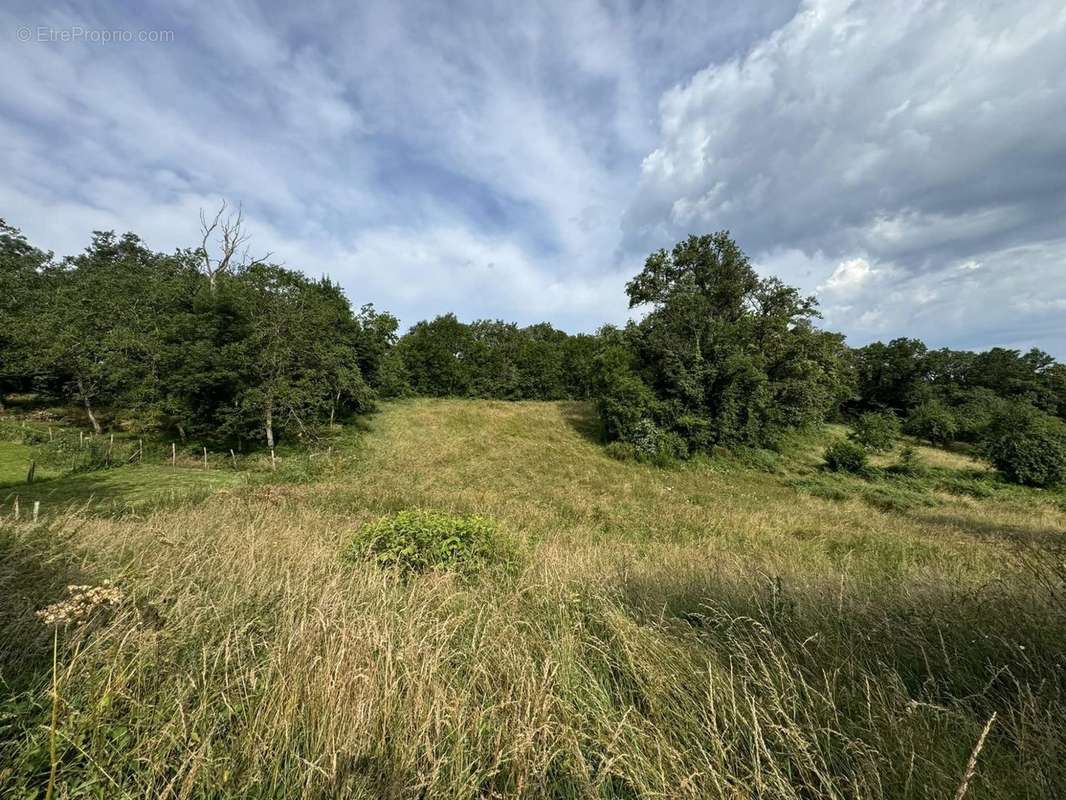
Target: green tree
point(89, 332)
point(893, 376)
point(932, 421)
point(729, 357)
point(1027, 446)
point(300, 353)
point(21, 267)
point(876, 430)
point(436, 357)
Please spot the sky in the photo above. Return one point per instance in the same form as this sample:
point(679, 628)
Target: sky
point(903, 161)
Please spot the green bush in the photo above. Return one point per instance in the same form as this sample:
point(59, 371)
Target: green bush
point(621, 451)
point(974, 411)
point(910, 464)
point(932, 421)
point(875, 430)
point(1027, 446)
point(654, 445)
point(845, 456)
point(419, 541)
point(624, 400)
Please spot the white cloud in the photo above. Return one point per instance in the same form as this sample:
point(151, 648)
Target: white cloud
point(849, 277)
point(883, 142)
point(891, 156)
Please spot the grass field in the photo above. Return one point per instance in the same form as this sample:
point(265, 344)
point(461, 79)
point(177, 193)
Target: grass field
point(733, 627)
point(110, 491)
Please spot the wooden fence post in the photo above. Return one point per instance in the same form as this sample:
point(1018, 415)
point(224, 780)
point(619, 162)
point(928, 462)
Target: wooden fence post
point(233, 456)
point(173, 454)
point(31, 472)
point(273, 462)
point(205, 458)
point(16, 508)
point(36, 509)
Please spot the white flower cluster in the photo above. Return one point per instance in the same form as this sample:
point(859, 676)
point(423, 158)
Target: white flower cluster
point(83, 601)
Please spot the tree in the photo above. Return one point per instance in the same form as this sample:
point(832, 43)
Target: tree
point(623, 399)
point(876, 430)
point(21, 267)
point(932, 421)
point(1015, 376)
point(729, 357)
point(89, 332)
point(436, 357)
point(224, 244)
point(892, 376)
point(1027, 446)
point(300, 351)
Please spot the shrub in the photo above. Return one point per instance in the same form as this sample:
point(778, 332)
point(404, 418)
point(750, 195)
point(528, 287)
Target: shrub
point(1027, 446)
point(624, 399)
point(875, 430)
point(845, 456)
point(419, 541)
point(652, 444)
point(974, 412)
point(621, 451)
point(932, 421)
point(909, 464)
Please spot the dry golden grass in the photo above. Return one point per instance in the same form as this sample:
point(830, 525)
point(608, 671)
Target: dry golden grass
point(704, 631)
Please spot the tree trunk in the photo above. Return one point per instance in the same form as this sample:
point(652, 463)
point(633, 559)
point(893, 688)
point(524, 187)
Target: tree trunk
point(270, 423)
point(88, 407)
point(181, 433)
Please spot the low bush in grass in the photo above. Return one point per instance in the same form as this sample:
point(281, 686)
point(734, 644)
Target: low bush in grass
point(621, 451)
point(1027, 446)
point(875, 430)
point(910, 464)
point(846, 456)
point(652, 444)
point(421, 541)
point(932, 421)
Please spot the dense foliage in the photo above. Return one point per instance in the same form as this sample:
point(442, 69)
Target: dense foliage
point(203, 348)
point(876, 430)
point(844, 455)
point(905, 376)
point(1028, 447)
point(417, 541)
point(243, 357)
point(444, 357)
point(724, 357)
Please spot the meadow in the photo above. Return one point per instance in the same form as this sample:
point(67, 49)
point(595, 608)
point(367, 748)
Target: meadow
point(735, 626)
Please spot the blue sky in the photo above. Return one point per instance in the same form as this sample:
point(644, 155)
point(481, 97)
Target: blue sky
point(905, 161)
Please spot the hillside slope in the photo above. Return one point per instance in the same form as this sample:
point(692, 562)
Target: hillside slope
point(712, 630)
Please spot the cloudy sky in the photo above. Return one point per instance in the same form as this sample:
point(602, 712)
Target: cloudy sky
point(905, 161)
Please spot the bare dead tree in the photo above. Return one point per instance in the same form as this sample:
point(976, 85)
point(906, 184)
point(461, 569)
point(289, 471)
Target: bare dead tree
point(224, 247)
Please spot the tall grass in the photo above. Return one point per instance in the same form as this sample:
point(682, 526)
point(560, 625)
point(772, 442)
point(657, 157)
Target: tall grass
point(787, 659)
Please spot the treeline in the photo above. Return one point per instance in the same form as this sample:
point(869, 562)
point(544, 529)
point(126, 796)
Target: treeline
point(241, 353)
point(220, 348)
point(207, 344)
point(954, 395)
point(726, 358)
point(490, 358)
point(1009, 405)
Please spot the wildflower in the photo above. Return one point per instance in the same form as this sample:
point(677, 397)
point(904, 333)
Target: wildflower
point(83, 600)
